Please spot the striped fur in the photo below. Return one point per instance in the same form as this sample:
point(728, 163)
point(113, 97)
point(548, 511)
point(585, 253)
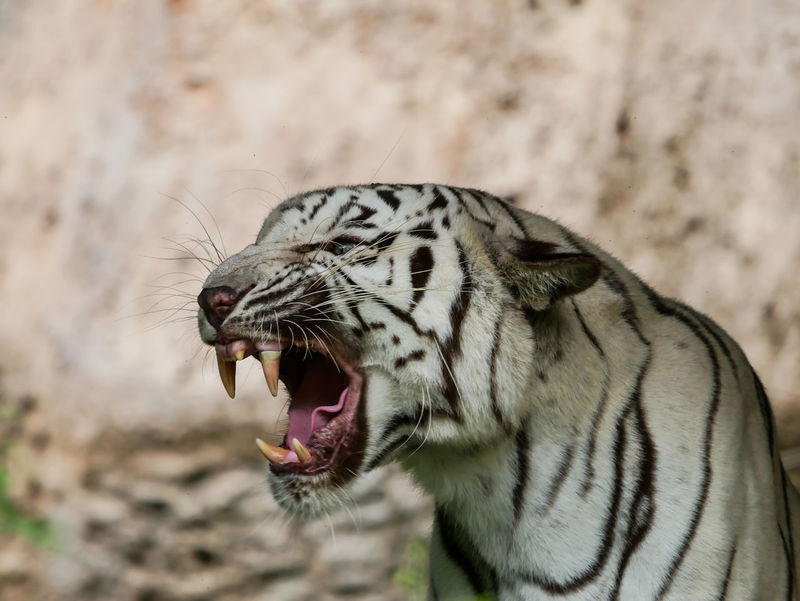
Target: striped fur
point(582, 436)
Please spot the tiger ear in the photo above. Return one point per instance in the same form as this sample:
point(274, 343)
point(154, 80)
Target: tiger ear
point(540, 273)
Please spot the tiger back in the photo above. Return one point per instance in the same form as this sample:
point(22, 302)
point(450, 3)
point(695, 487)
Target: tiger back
point(582, 437)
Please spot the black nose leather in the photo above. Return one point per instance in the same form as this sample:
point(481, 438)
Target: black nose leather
point(217, 302)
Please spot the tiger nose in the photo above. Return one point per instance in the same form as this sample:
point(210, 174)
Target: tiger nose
point(217, 302)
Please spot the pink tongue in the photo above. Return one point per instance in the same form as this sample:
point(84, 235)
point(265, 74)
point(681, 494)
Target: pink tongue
point(319, 417)
point(307, 411)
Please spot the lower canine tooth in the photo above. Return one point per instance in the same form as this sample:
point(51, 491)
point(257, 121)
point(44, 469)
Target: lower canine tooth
point(227, 373)
point(303, 454)
point(272, 453)
point(271, 365)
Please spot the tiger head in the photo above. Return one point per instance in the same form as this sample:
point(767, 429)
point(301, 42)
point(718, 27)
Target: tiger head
point(405, 322)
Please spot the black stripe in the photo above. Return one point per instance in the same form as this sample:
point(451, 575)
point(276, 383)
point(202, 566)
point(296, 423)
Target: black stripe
point(383, 241)
point(291, 307)
point(498, 414)
point(404, 421)
point(457, 194)
point(589, 334)
point(362, 324)
point(318, 206)
point(513, 216)
point(612, 280)
point(644, 484)
point(351, 308)
point(390, 429)
point(789, 568)
point(403, 316)
point(705, 484)
point(417, 355)
point(790, 557)
point(477, 197)
point(390, 198)
point(401, 420)
point(268, 298)
point(723, 593)
point(547, 344)
point(387, 450)
point(558, 478)
point(420, 266)
point(522, 467)
point(439, 201)
point(423, 230)
point(711, 328)
point(390, 277)
point(591, 446)
point(766, 413)
point(363, 216)
point(342, 212)
point(451, 348)
point(642, 507)
point(462, 552)
point(260, 297)
point(594, 569)
point(704, 321)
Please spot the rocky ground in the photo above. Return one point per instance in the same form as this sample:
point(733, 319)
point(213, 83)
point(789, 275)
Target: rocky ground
point(188, 517)
point(668, 132)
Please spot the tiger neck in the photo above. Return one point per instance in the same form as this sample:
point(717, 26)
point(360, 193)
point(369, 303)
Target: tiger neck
point(554, 480)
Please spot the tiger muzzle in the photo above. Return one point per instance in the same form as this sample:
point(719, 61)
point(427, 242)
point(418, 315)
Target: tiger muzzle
point(218, 301)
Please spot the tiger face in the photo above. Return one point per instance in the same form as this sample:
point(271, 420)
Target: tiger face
point(402, 321)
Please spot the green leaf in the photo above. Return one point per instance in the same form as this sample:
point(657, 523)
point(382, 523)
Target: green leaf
point(39, 532)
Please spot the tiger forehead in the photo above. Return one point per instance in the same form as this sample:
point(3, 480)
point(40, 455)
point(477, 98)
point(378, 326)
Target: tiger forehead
point(362, 208)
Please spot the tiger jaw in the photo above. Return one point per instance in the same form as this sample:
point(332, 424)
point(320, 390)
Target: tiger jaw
point(325, 434)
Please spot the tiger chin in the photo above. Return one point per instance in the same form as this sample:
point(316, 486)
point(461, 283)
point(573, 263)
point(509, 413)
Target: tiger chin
point(582, 436)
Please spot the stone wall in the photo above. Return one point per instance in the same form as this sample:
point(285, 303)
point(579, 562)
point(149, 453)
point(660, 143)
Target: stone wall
point(668, 132)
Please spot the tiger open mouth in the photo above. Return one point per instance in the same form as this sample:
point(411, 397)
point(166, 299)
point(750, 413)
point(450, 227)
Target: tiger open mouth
point(326, 431)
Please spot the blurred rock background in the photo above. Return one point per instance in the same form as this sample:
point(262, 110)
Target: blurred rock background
point(668, 132)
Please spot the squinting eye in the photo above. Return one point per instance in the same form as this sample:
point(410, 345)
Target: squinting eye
point(340, 246)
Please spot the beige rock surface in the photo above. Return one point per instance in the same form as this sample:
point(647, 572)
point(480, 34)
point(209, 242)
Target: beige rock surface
point(668, 132)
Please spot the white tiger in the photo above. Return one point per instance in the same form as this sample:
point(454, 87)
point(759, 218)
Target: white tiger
point(582, 437)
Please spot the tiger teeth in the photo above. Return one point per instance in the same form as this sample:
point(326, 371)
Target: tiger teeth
point(227, 373)
point(238, 349)
point(272, 453)
point(271, 365)
point(303, 454)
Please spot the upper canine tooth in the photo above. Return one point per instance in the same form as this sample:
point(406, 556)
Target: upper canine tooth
point(239, 355)
point(227, 373)
point(272, 453)
point(271, 365)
